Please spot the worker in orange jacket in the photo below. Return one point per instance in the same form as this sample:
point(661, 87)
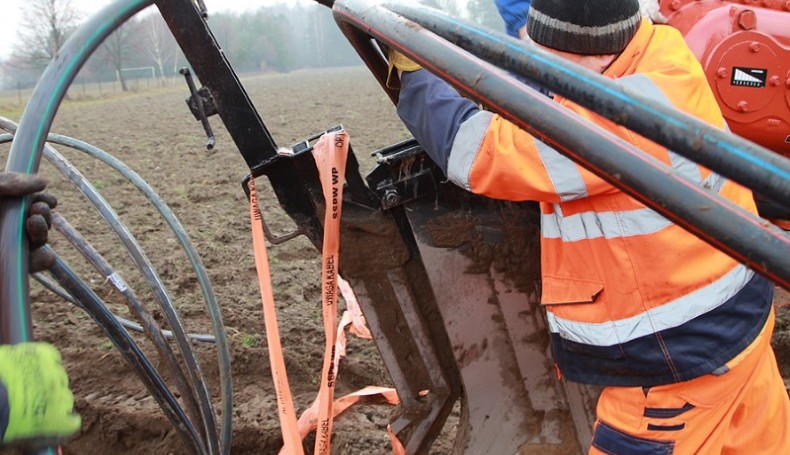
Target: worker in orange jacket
point(677, 331)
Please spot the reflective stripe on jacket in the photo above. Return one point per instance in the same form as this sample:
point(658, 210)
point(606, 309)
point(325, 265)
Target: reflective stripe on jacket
point(632, 298)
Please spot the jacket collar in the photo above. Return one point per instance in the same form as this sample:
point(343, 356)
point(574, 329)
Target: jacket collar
point(628, 60)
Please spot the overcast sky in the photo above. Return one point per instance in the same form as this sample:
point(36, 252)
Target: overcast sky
point(11, 14)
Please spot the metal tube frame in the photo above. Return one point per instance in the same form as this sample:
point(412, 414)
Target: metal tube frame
point(729, 228)
point(738, 159)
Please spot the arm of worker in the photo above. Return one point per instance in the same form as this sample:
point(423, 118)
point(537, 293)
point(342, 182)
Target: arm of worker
point(434, 127)
point(484, 153)
point(433, 112)
point(36, 405)
point(514, 14)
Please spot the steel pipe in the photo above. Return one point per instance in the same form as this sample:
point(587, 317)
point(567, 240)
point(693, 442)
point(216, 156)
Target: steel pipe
point(734, 157)
point(740, 234)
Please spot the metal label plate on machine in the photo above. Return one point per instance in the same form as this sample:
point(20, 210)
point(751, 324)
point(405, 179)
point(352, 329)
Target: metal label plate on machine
point(749, 77)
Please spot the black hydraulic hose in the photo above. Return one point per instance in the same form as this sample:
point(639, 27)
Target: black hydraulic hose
point(15, 322)
point(25, 154)
point(144, 265)
point(220, 336)
point(152, 329)
point(93, 305)
point(218, 326)
point(53, 287)
point(736, 158)
point(724, 225)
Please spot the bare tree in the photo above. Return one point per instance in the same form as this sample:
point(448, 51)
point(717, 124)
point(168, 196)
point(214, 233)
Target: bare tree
point(119, 47)
point(46, 25)
point(159, 42)
point(319, 23)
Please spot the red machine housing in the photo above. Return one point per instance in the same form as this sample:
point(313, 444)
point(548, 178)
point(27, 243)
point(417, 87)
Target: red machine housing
point(744, 48)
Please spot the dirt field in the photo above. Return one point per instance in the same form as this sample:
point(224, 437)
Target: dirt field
point(154, 134)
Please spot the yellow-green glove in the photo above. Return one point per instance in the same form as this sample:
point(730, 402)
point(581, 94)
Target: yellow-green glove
point(39, 406)
point(398, 61)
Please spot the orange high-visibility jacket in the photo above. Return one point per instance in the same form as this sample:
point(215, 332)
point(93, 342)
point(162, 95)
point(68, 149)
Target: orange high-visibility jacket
point(632, 298)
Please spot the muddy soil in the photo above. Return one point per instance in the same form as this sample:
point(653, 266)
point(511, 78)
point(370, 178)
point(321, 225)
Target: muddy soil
point(155, 135)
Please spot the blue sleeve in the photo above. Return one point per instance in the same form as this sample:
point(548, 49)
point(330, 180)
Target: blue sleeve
point(432, 111)
point(514, 13)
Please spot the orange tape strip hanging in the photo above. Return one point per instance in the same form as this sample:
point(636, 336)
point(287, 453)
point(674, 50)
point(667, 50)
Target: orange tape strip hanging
point(355, 322)
point(330, 153)
point(292, 442)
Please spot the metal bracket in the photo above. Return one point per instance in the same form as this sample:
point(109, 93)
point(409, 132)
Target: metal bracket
point(273, 239)
point(403, 175)
point(201, 104)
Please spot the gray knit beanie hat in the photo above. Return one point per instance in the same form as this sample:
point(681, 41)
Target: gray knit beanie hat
point(584, 26)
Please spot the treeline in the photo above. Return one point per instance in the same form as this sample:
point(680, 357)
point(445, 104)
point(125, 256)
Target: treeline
point(268, 39)
point(275, 38)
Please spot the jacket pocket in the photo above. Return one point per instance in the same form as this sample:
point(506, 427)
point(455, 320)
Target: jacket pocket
point(567, 290)
point(573, 299)
point(612, 441)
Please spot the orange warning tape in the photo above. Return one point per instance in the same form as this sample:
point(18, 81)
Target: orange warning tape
point(355, 322)
point(397, 446)
point(285, 407)
point(330, 153)
point(308, 419)
point(358, 325)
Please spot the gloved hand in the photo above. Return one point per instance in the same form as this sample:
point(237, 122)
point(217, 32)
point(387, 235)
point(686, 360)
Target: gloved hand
point(398, 61)
point(514, 13)
point(35, 396)
point(39, 218)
